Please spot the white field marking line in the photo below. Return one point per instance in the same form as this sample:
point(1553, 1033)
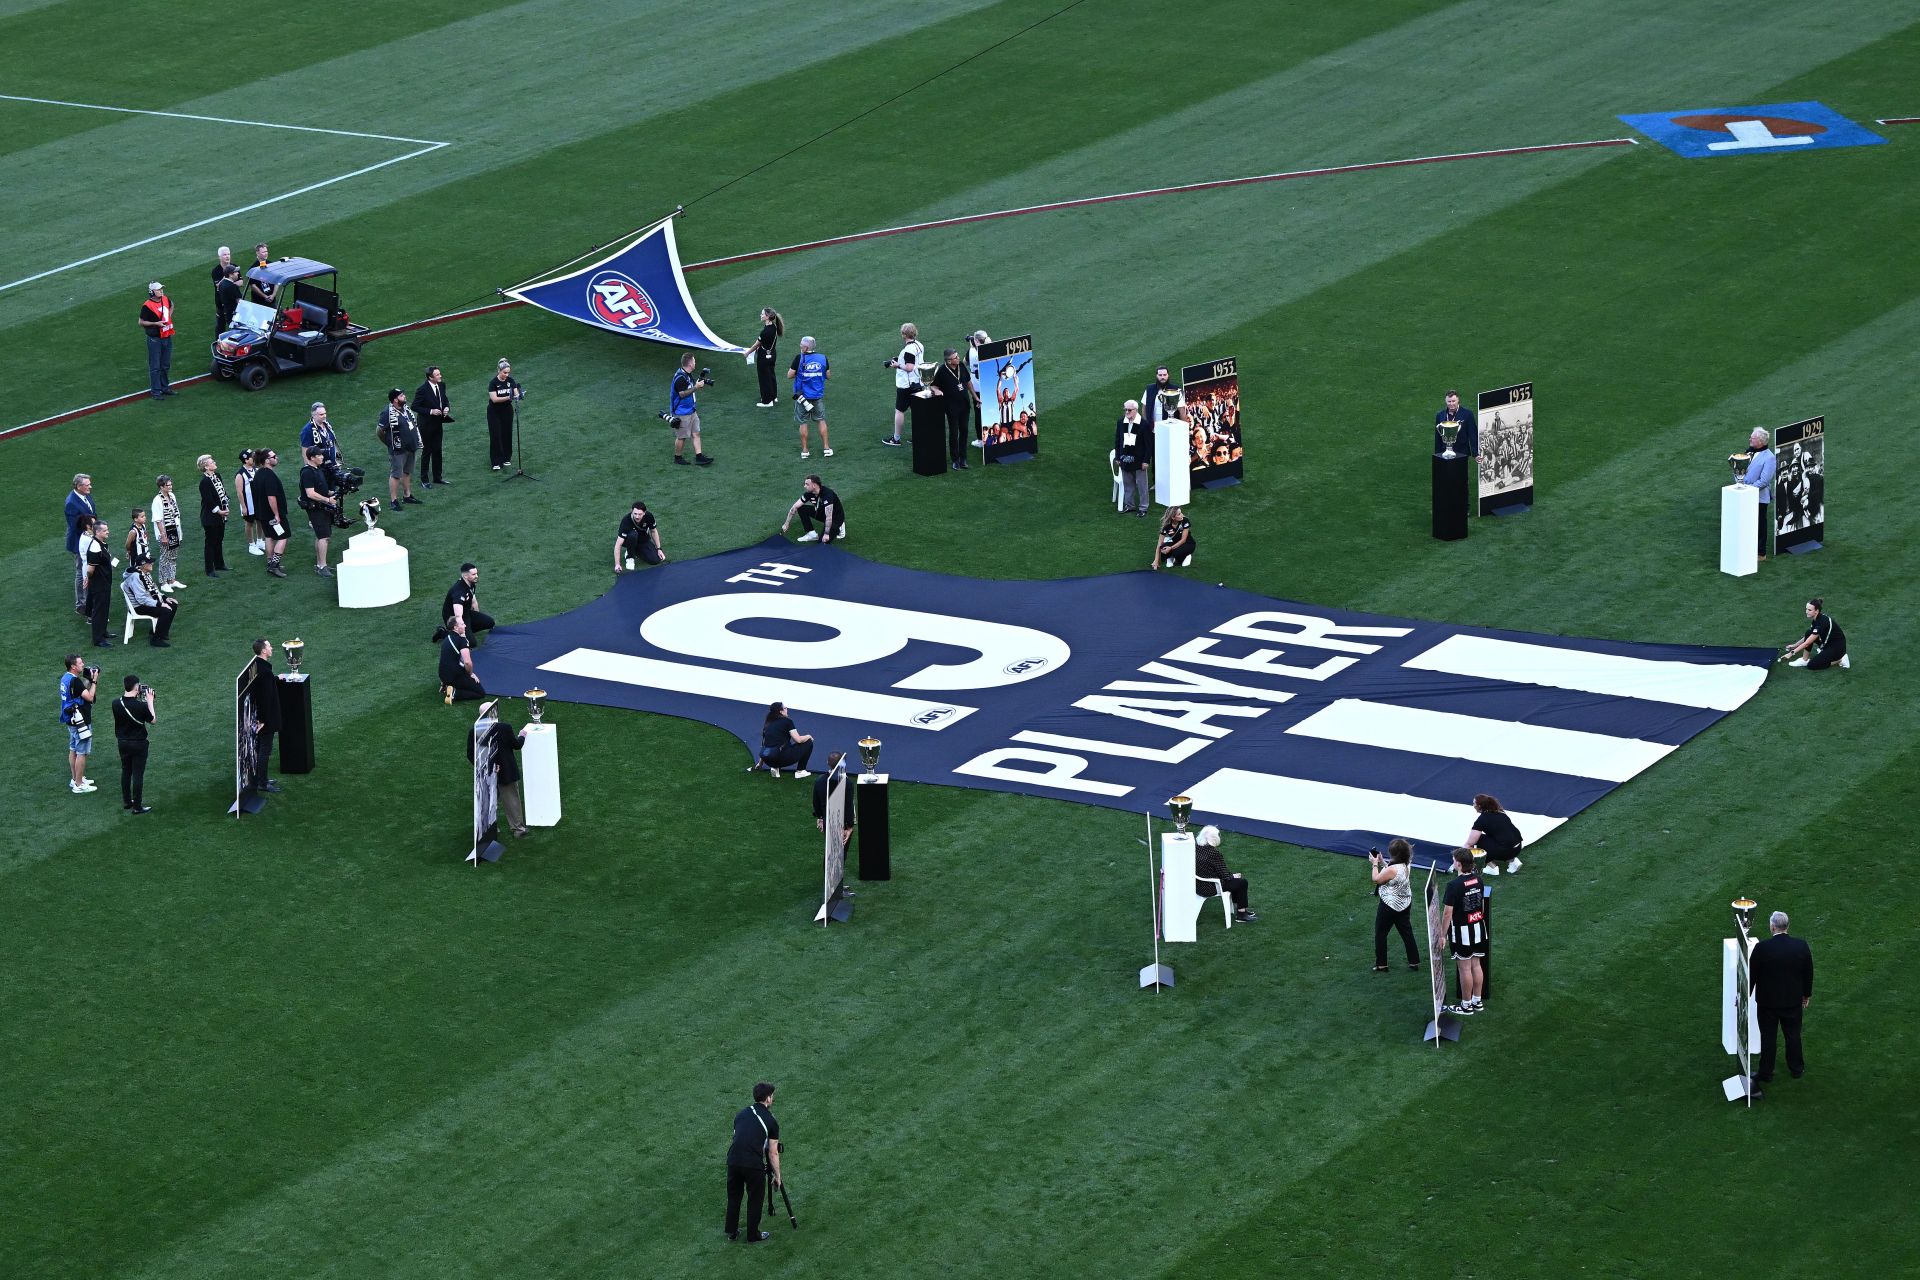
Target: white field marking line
point(182, 115)
point(230, 213)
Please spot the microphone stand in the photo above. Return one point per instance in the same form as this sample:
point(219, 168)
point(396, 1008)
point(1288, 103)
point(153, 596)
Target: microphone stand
point(519, 459)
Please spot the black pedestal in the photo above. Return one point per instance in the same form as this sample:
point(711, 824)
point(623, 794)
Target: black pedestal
point(929, 436)
point(296, 723)
point(1450, 497)
point(870, 819)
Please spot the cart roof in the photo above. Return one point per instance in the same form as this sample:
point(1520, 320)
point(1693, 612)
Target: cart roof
point(276, 273)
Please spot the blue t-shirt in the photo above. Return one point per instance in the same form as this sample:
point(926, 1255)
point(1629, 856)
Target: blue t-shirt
point(680, 399)
point(810, 375)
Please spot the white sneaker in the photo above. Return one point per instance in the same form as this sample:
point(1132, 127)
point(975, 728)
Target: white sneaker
point(763, 404)
point(810, 536)
point(82, 789)
point(1846, 660)
point(774, 772)
point(829, 453)
point(1514, 865)
point(1798, 662)
point(804, 773)
point(1491, 869)
point(255, 549)
point(804, 454)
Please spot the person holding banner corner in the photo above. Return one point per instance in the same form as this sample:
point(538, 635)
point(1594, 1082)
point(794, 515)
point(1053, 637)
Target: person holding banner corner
point(781, 745)
point(456, 664)
point(1824, 645)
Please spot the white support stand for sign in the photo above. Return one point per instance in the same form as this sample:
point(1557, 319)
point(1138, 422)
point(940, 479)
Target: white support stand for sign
point(1739, 530)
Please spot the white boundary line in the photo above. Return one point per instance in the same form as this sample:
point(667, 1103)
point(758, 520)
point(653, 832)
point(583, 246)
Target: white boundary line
point(423, 146)
point(182, 115)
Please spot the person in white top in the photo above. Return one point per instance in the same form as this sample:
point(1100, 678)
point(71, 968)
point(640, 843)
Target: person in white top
point(974, 343)
point(906, 378)
point(1394, 884)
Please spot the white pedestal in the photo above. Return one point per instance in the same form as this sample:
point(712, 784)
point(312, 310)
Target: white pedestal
point(373, 572)
point(1172, 477)
point(1179, 904)
point(1739, 530)
point(540, 775)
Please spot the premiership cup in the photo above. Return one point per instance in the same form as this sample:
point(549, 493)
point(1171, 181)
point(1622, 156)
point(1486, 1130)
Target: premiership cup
point(1181, 807)
point(294, 649)
point(1449, 433)
point(1743, 915)
point(869, 754)
point(536, 704)
point(1739, 461)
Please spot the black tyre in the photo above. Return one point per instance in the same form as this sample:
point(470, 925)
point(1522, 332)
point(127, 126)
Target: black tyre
point(346, 359)
point(254, 374)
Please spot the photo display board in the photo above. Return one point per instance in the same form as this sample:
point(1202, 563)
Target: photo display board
point(1009, 417)
point(1212, 393)
point(1800, 485)
point(1506, 449)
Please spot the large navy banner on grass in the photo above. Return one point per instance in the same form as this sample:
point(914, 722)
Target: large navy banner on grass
point(1318, 726)
point(638, 290)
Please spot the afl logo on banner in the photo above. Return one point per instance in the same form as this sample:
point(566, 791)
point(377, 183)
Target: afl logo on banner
point(619, 303)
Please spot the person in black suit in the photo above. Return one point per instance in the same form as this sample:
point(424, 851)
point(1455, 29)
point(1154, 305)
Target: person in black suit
point(262, 692)
point(214, 508)
point(1782, 968)
point(505, 740)
point(1468, 445)
point(226, 299)
point(951, 384)
point(433, 412)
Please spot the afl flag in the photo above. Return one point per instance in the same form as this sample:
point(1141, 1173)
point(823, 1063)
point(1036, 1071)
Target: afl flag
point(639, 290)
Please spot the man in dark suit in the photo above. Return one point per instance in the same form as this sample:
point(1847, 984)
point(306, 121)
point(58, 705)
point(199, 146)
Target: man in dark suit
point(844, 813)
point(433, 412)
point(1782, 968)
point(226, 300)
point(262, 692)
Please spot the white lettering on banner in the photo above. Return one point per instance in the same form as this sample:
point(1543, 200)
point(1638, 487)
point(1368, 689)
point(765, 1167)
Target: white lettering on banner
point(1314, 633)
point(864, 633)
point(1061, 772)
point(759, 690)
point(1187, 717)
point(1193, 682)
point(1171, 755)
point(1260, 661)
point(770, 573)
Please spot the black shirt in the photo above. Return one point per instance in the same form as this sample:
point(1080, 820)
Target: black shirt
point(458, 594)
point(99, 567)
point(1824, 632)
point(401, 430)
point(767, 337)
point(753, 1128)
point(1172, 534)
point(817, 504)
point(505, 742)
point(269, 495)
point(1782, 968)
point(315, 479)
point(501, 410)
point(636, 535)
point(226, 300)
point(130, 719)
point(1132, 456)
point(776, 733)
point(263, 693)
point(1468, 898)
point(1498, 836)
point(451, 668)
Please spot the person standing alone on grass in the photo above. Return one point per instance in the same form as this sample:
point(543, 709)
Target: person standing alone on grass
point(132, 713)
point(156, 319)
point(761, 356)
point(683, 411)
point(1465, 920)
point(906, 378)
point(1782, 968)
point(76, 713)
point(1393, 884)
point(502, 394)
point(753, 1155)
point(810, 373)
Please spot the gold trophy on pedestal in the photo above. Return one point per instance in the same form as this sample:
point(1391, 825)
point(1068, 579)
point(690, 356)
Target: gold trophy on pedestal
point(869, 755)
point(1181, 807)
point(536, 705)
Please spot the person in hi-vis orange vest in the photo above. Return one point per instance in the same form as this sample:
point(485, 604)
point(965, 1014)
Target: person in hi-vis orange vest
point(156, 318)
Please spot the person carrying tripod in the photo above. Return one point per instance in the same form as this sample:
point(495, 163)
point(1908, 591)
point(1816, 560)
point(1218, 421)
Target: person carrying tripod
point(753, 1163)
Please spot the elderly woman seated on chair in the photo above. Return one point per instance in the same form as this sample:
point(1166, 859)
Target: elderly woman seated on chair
point(1209, 865)
point(1176, 545)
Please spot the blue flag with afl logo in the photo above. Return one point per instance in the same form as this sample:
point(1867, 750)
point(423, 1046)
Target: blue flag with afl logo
point(1322, 727)
point(639, 290)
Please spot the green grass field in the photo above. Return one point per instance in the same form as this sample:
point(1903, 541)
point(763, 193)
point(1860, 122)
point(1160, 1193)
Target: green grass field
point(317, 1045)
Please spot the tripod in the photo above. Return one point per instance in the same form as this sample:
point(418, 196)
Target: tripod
point(519, 457)
point(783, 1198)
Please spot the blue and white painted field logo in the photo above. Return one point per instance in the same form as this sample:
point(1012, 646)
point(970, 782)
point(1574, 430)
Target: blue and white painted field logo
point(1738, 131)
point(619, 303)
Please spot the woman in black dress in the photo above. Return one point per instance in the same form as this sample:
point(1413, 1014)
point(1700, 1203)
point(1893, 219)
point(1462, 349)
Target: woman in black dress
point(214, 507)
point(1177, 543)
point(1494, 833)
point(781, 745)
point(1824, 645)
point(760, 355)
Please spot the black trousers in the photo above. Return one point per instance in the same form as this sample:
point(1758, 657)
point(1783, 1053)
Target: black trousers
point(957, 431)
point(808, 520)
point(763, 365)
point(97, 610)
point(1766, 526)
point(162, 617)
point(215, 550)
point(1788, 1022)
point(792, 756)
point(478, 622)
point(1385, 918)
point(133, 771)
point(432, 435)
point(754, 1183)
point(1827, 657)
point(465, 687)
point(262, 758)
point(499, 439)
point(1236, 886)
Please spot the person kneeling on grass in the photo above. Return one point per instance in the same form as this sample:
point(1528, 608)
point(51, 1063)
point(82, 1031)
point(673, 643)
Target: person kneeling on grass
point(1209, 865)
point(1176, 545)
point(782, 746)
point(1495, 835)
point(1824, 645)
point(817, 503)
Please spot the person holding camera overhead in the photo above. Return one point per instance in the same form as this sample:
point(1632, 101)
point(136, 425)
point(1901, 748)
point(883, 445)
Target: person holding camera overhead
point(906, 378)
point(132, 713)
point(502, 394)
point(761, 354)
point(1132, 447)
point(753, 1162)
point(77, 685)
point(683, 410)
point(809, 374)
point(321, 505)
point(1392, 882)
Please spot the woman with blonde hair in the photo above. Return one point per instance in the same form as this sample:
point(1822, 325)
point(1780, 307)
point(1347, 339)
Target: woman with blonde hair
point(906, 378)
point(760, 355)
point(1176, 545)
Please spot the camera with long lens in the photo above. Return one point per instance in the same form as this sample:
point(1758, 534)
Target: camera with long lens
point(346, 480)
point(706, 375)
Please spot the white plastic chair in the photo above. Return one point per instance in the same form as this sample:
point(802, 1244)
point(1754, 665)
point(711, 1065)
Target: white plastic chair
point(1222, 896)
point(126, 634)
point(1119, 483)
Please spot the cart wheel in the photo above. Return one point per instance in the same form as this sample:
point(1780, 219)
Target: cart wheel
point(253, 375)
point(346, 359)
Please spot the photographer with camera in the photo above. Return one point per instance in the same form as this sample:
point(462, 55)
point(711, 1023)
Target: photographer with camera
point(809, 373)
point(1392, 882)
point(906, 368)
point(399, 431)
point(77, 685)
point(753, 1163)
point(683, 410)
point(132, 713)
point(322, 507)
point(270, 510)
point(502, 394)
